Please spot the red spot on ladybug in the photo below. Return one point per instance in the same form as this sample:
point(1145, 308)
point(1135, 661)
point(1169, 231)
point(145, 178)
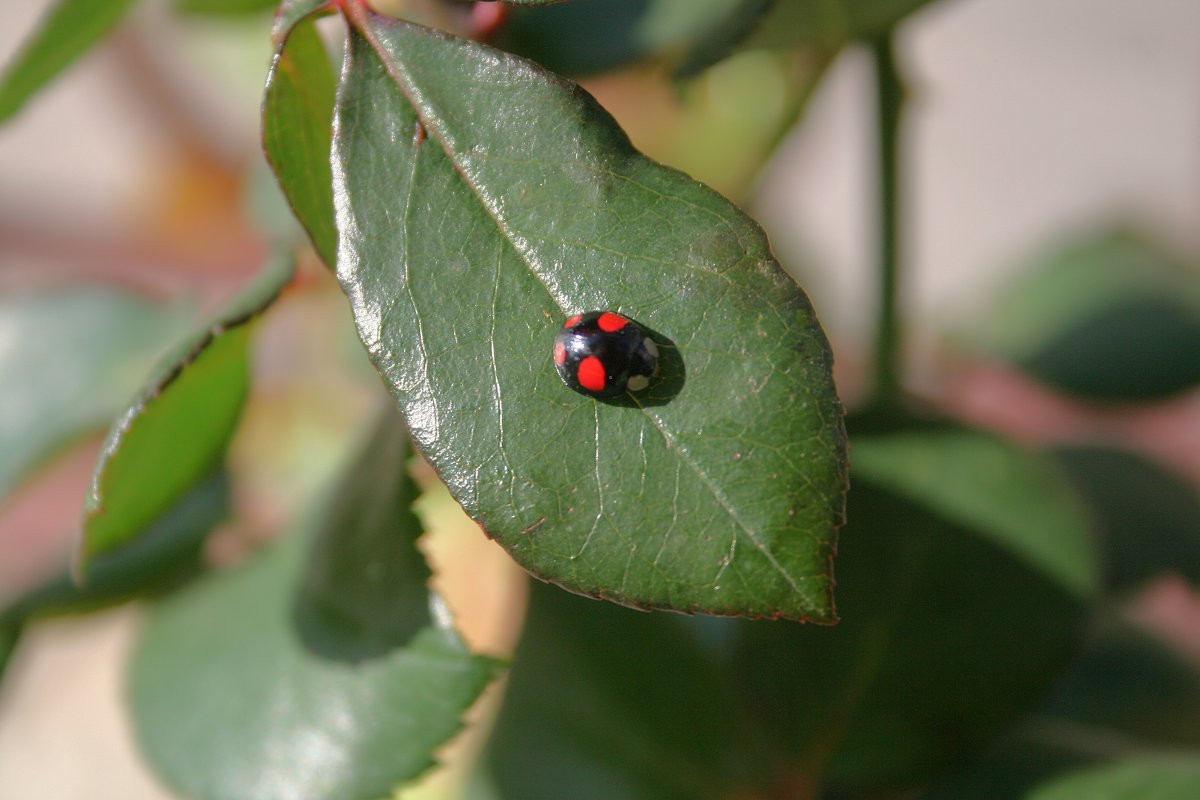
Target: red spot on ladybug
point(611, 323)
point(591, 374)
point(603, 354)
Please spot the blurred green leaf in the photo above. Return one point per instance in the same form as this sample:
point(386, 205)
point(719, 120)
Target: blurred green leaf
point(830, 23)
point(583, 37)
point(1130, 687)
point(67, 31)
point(920, 675)
point(168, 551)
point(10, 637)
point(1110, 317)
point(1135, 778)
point(297, 120)
point(1128, 693)
point(363, 593)
point(1147, 517)
point(1138, 349)
point(466, 236)
point(606, 702)
point(69, 360)
point(178, 427)
point(1014, 497)
point(232, 702)
point(224, 7)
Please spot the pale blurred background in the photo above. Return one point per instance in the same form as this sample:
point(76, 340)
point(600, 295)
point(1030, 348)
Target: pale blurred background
point(1031, 120)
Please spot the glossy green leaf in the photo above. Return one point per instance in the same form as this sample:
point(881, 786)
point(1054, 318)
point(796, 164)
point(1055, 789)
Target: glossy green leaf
point(363, 593)
point(1136, 778)
point(920, 675)
point(224, 7)
point(69, 361)
point(469, 232)
point(1018, 499)
point(160, 557)
point(231, 701)
point(297, 118)
point(67, 31)
point(1147, 517)
point(177, 429)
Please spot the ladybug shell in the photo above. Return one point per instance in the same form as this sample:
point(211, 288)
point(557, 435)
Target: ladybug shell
point(604, 354)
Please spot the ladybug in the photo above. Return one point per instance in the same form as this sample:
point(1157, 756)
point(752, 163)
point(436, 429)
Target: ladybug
point(603, 354)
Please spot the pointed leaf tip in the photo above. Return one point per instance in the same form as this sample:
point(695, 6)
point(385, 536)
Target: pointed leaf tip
point(479, 201)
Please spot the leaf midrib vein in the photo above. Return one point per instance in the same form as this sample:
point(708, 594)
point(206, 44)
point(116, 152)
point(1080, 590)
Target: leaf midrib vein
point(434, 125)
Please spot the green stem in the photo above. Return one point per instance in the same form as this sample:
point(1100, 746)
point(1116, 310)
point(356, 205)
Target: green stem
point(890, 108)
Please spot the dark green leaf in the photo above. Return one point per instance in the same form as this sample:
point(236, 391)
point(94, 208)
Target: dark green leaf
point(1129, 687)
point(1148, 518)
point(363, 593)
point(231, 703)
point(68, 30)
point(583, 37)
point(69, 360)
point(224, 7)
point(297, 117)
point(177, 428)
point(921, 673)
point(606, 702)
point(168, 551)
point(1128, 693)
point(1009, 769)
point(468, 232)
point(1136, 778)
point(1017, 499)
point(1135, 350)
point(1109, 318)
point(588, 36)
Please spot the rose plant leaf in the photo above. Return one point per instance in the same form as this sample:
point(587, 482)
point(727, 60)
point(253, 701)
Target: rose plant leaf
point(176, 430)
point(67, 31)
point(468, 232)
point(231, 700)
point(168, 552)
point(734, 708)
point(363, 592)
point(1148, 518)
point(583, 37)
point(297, 117)
point(75, 358)
point(1162, 777)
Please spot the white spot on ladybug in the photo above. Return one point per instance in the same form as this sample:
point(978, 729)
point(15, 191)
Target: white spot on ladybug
point(650, 347)
point(637, 383)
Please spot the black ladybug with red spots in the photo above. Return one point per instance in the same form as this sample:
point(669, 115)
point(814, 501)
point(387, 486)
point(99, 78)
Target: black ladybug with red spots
point(604, 354)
